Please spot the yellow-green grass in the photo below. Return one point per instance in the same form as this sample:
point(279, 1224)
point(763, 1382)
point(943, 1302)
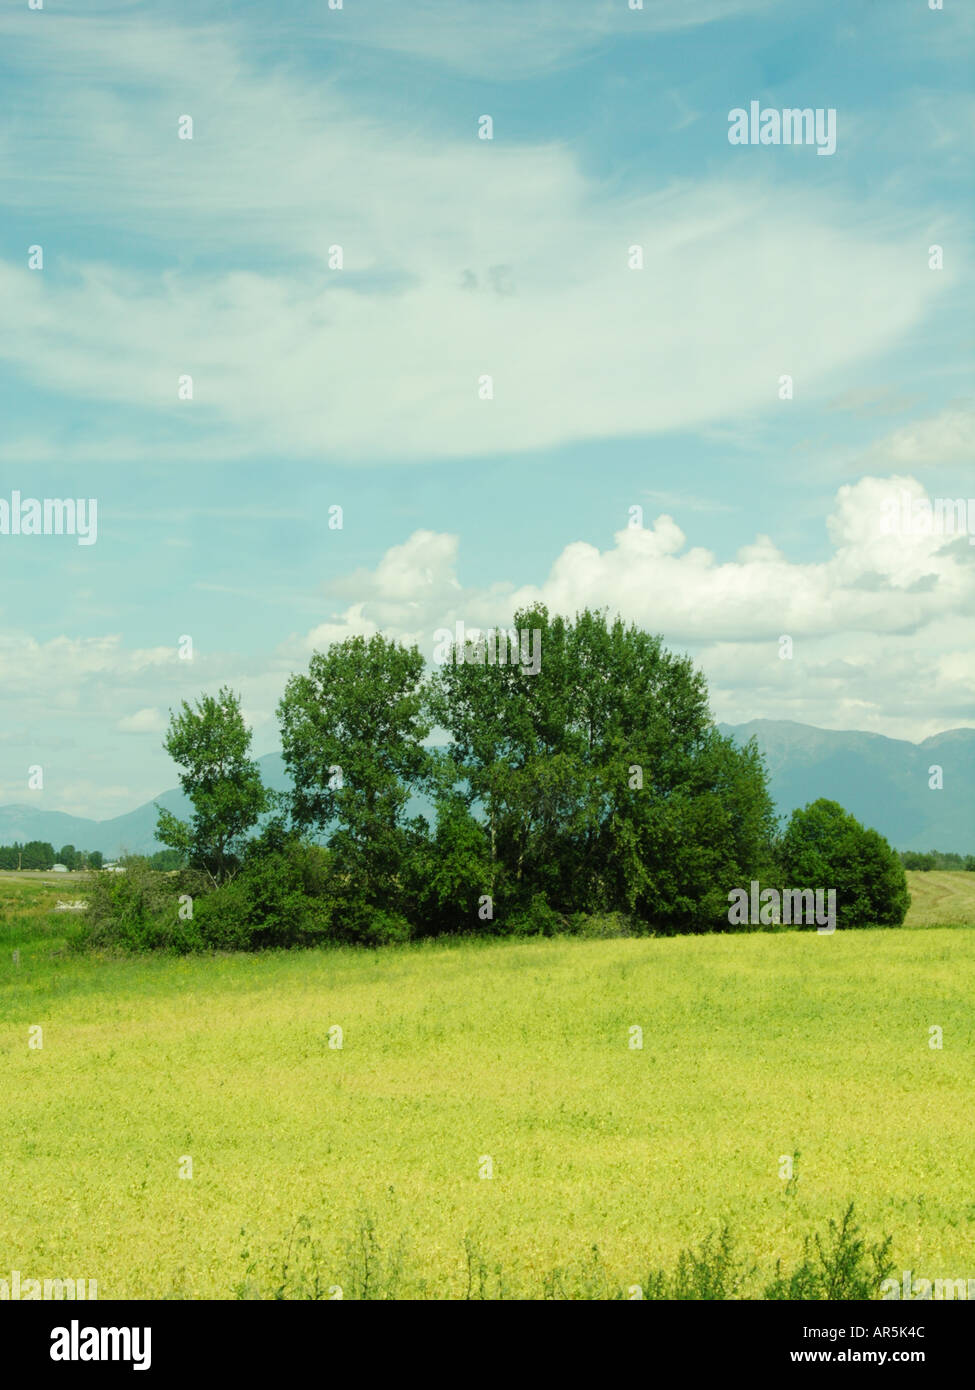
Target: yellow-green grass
point(941, 899)
point(755, 1046)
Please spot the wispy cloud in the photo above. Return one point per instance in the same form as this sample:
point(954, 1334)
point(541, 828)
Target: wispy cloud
point(946, 438)
point(386, 357)
point(516, 39)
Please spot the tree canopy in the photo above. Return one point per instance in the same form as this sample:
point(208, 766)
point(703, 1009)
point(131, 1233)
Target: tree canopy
point(210, 743)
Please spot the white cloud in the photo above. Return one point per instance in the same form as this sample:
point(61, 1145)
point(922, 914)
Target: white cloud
point(66, 702)
point(883, 629)
point(57, 665)
point(946, 438)
point(144, 721)
point(310, 363)
point(463, 259)
point(510, 39)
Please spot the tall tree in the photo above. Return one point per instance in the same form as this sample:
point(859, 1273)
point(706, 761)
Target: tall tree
point(600, 778)
point(211, 744)
point(352, 734)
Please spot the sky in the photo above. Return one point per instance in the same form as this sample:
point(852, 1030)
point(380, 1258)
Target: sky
point(451, 339)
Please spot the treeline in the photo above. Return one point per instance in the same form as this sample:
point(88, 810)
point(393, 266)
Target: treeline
point(39, 854)
point(588, 791)
point(937, 859)
point(163, 861)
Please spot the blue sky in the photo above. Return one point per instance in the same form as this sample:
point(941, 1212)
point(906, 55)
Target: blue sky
point(358, 386)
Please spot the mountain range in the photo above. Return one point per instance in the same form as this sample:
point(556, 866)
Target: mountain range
point(883, 781)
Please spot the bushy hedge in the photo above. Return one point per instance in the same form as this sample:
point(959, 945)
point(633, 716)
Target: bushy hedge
point(136, 911)
point(286, 894)
point(291, 892)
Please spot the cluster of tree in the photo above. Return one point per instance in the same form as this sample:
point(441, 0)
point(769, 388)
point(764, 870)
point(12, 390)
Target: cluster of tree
point(39, 854)
point(163, 860)
point(595, 785)
point(937, 859)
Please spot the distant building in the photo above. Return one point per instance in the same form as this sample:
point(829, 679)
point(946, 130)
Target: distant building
point(60, 868)
point(113, 868)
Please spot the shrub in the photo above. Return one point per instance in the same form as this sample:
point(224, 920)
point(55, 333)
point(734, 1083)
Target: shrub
point(281, 897)
point(136, 911)
point(291, 892)
point(603, 925)
point(362, 924)
point(824, 847)
point(537, 919)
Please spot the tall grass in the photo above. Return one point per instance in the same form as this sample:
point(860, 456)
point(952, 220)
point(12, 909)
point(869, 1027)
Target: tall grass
point(837, 1264)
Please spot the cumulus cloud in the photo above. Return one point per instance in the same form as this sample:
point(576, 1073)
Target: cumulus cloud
point(882, 629)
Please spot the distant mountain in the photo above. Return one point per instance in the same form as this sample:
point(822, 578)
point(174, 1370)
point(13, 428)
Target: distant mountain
point(134, 832)
point(882, 781)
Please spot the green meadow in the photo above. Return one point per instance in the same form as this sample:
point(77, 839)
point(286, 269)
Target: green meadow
point(487, 1123)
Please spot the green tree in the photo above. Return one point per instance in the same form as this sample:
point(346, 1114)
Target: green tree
point(824, 847)
point(166, 860)
point(911, 859)
point(211, 744)
point(95, 859)
point(600, 779)
point(37, 854)
point(68, 856)
point(352, 734)
point(450, 872)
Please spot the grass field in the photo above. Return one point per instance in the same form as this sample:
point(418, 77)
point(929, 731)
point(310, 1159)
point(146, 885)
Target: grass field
point(365, 1158)
point(941, 899)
